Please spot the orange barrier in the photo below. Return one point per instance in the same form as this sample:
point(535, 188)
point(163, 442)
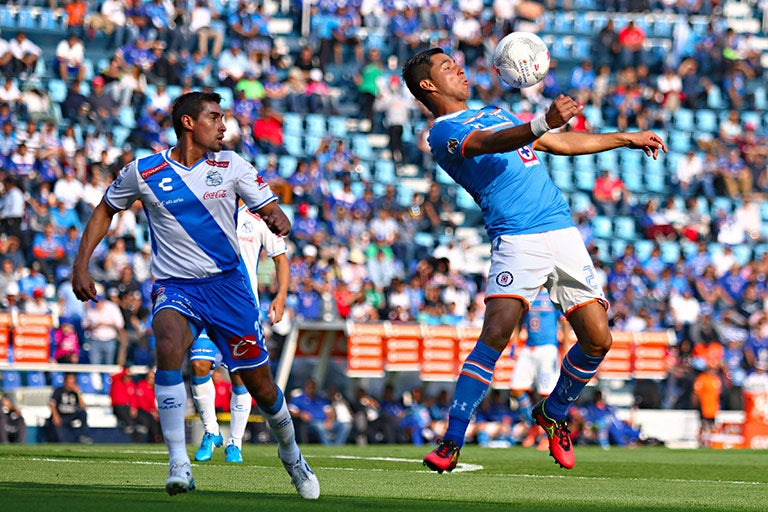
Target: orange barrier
point(31, 338)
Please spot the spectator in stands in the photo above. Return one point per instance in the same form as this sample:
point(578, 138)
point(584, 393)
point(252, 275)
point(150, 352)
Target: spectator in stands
point(631, 39)
point(146, 407)
point(437, 209)
point(707, 388)
point(201, 24)
point(6, 58)
point(13, 429)
point(66, 343)
point(313, 415)
point(37, 304)
point(123, 397)
point(48, 250)
point(70, 57)
point(25, 55)
point(367, 81)
point(13, 205)
point(104, 108)
point(689, 176)
point(10, 93)
point(104, 326)
point(268, 131)
point(735, 173)
point(69, 419)
point(232, 64)
point(607, 193)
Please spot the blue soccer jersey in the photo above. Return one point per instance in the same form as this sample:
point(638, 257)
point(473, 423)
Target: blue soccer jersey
point(541, 321)
point(191, 210)
point(513, 189)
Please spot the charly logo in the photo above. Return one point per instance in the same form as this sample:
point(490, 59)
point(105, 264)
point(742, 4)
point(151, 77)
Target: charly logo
point(213, 178)
point(504, 278)
point(169, 403)
point(244, 348)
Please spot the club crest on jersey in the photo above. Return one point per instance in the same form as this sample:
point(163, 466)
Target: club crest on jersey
point(247, 227)
point(527, 156)
point(452, 145)
point(504, 278)
point(213, 178)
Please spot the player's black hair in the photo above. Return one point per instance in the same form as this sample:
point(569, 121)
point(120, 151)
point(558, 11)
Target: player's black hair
point(190, 104)
point(416, 70)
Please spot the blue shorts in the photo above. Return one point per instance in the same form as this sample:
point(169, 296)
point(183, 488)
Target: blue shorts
point(223, 306)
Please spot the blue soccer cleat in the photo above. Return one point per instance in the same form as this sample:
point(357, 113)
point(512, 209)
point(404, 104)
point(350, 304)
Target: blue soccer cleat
point(233, 454)
point(209, 442)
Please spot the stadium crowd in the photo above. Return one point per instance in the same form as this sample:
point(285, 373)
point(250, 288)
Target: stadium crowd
point(363, 250)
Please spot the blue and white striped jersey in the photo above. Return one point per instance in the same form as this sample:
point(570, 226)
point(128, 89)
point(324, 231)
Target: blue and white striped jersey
point(191, 210)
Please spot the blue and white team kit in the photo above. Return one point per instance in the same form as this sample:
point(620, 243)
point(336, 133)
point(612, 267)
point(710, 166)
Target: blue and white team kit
point(534, 242)
point(195, 252)
point(538, 363)
point(253, 235)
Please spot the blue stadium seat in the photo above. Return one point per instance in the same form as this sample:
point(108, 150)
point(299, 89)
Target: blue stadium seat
point(706, 120)
point(602, 226)
point(362, 147)
point(582, 24)
point(442, 177)
point(57, 379)
point(679, 141)
point(25, 19)
point(580, 202)
point(286, 165)
point(643, 248)
point(292, 143)
point(292, 124)
point(423, 239)
point(337, 126)
point(607, 160)
point(35, 379)
point(7, 17)
point(11, 380)
point(563, 23)
point(595, 116)
point(48, 20)
point(562, 179)
point(384, 171)
point(751, 116)
point(57, 90)
point(315, 124)
point(584, 177)
point(227, 98)
point(684, 119)
point(742, 253)
point(721, 203)
point(670, 251)
point(761, 97)
point(126, 118)
point(625, 227)
point(633, 180)
point(656, 182)
point(85, 381)
point(560, 162)
point(311, 143)
point(464, 201)
point(715, 98)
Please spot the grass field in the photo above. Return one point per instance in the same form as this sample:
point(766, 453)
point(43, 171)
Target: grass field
point(130, 478)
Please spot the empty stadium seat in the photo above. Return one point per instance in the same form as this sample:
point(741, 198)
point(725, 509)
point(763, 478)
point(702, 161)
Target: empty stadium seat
point(35, 379)
point(57, 379)
point(292, 144)
point(25, 19)
point(315, 125)
point(57, 90)
point(584, 177)
point(385, 171)
point(602, 226)
point(11, 380)
point(337, 126)
point(48, 20)
point(292, 124)
point(684, 119)
point(625, 227)
point(85, 381)
point(670, 251)
point(7, 17)
point(562, 179)
point(227, 98)
point(706, 120)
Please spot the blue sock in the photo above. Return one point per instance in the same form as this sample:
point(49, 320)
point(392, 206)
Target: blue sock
point(524, 407)
point(199, 380)
point(471, 387)
point(168, 377)
point(577, 370)
point(240, 390)
point(275, 407)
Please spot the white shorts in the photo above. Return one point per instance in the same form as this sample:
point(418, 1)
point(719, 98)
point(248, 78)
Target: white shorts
point(539, 366)
point(556, 260)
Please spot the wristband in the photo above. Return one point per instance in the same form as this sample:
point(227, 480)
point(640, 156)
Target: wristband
point(539, 126)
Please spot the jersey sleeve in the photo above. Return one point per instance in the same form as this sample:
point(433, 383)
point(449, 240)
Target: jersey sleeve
point(274, 245)
point(124, 190)
point(447, 138)
point(251, 187)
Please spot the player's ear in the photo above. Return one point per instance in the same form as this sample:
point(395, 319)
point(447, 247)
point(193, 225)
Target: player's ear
point(427, 85)
point(187, 122)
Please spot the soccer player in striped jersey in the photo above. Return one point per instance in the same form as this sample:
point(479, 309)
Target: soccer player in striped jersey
point(189, 194)
point(253, 235)
point(490, 153)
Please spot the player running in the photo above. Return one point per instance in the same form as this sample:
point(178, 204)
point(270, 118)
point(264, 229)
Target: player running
point(490, 153)
point(189, 193)
point(253, 235)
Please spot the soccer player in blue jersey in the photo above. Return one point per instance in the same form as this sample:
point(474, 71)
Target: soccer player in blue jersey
point(490, 153)
point(538, 364)
point(189, 193)
point(253, 235)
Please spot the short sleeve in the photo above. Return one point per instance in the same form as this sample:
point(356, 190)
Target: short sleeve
point(122, 192)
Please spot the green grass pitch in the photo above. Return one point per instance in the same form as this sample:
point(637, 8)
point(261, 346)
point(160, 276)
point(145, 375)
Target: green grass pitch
point(130, 478)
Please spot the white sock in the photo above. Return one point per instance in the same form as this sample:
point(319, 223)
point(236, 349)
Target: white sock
point(282, 427)
point(240, 410)
point(171, 401)
point(204, 396)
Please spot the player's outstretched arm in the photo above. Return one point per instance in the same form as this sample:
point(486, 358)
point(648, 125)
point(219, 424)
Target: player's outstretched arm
point(283, 271)
point(482, 142)
point(577, 143)
point(275, 218)
point(96, 229)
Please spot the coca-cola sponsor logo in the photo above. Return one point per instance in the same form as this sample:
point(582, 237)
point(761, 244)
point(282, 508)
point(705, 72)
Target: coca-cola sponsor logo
point(215, 194)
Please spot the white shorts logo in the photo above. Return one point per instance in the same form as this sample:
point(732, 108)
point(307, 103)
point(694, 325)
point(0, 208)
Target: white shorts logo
point(504, 278)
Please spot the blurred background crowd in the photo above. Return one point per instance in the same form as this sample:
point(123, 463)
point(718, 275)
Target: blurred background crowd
point(313, 98)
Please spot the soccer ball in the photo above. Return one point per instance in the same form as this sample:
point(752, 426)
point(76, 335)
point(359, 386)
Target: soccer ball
point(521, 59)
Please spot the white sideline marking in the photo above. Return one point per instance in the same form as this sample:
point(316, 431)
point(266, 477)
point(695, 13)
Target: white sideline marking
point(459, 468)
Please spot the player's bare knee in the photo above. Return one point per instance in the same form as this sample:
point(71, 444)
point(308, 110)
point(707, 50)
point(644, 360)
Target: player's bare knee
point(496, 337)
point(200, 368)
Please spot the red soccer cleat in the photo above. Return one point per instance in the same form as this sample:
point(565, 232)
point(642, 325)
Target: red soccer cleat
point(560, 446)
point(443, 458)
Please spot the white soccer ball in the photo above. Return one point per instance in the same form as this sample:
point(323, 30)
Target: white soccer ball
point(521, 59)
